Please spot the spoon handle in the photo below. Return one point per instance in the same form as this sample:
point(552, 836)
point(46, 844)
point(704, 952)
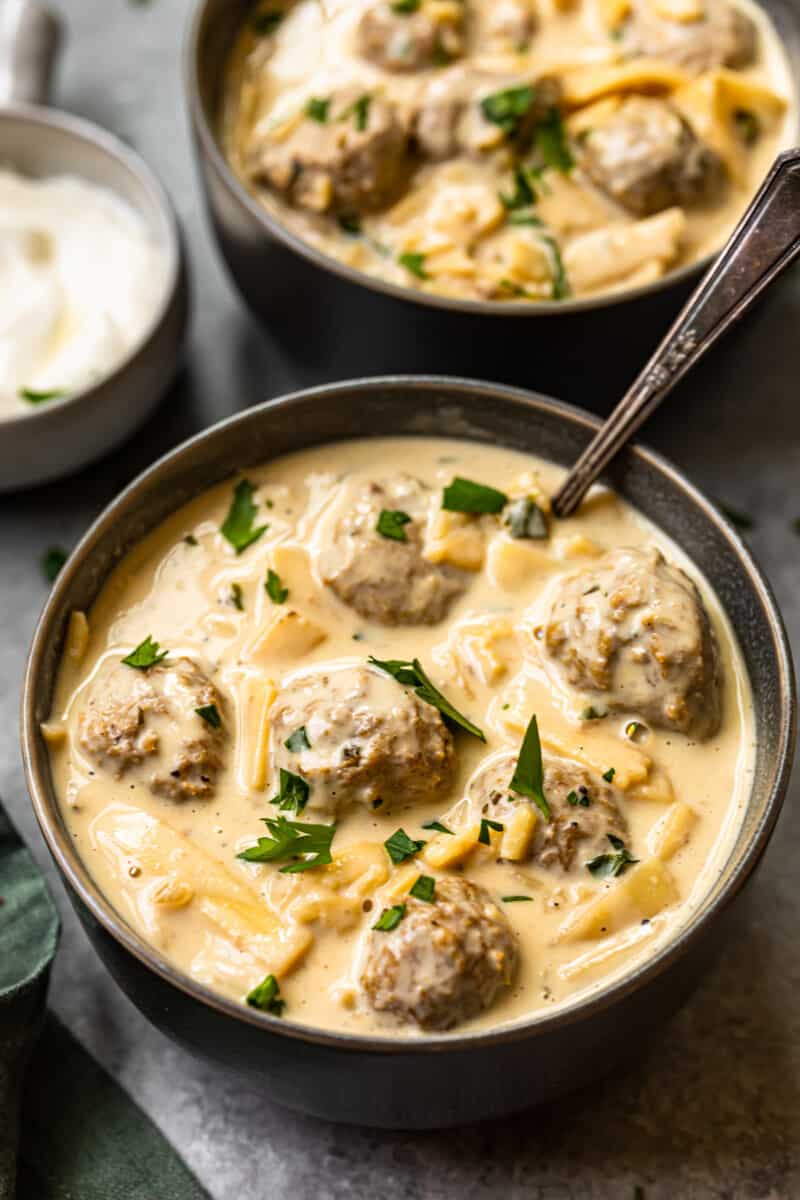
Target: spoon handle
point(29, 40)
point(764, 243)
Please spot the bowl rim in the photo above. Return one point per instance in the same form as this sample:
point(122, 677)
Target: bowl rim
point(273, 227)
point(112, 146)
point(77, 875)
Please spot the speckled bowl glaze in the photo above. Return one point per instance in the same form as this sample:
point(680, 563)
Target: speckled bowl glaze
point(425, 1081)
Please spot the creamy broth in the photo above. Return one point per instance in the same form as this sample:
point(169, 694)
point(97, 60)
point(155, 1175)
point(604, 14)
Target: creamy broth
point(547, 149)
point(167, 861)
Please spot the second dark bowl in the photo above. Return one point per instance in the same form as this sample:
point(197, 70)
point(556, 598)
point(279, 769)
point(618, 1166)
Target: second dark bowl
point(430, 1081)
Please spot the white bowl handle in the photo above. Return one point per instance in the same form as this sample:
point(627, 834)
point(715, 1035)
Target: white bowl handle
point(29, 41)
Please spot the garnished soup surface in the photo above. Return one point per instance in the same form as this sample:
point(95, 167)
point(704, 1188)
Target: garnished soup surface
point(369, 740)
point(508, 149)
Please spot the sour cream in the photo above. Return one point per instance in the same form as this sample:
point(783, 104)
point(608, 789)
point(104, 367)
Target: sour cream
point(81, 278)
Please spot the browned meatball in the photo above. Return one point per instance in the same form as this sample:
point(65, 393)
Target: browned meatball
point(145, 724)
point(632, 633)
point(445, 962)
point(384, 579)
point(367, 740)
point(584, 809)
point(646, 157)
point(404, 39)
point(352, 161)
point(725, 37)
point(450, 117)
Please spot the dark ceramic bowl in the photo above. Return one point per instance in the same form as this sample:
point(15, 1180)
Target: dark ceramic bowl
point(428, 1081)
point(335, 316)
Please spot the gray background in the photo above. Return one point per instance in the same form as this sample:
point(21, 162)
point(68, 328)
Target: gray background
point(714, 1111)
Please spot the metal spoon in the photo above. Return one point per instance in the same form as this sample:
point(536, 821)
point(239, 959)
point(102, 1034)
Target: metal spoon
point(765, 242)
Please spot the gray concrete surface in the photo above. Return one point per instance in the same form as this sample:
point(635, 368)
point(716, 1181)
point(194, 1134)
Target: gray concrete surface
point(714, 1112)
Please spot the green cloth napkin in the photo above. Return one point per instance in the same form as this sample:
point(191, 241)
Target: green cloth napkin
point(67, 1130)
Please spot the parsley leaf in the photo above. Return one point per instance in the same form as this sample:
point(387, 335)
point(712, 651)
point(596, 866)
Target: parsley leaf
point(238, 525)
point(609, 774)
point(400, 846)
point(528, 777)
point(52, 562)
point(237, 599)
point(146, 655)
point(551, 143)
point(359, 110)
point(561, 288)
point(424, 889)
point(349, 224)
point(317, 109)
point(633, 729)
point(266, 22)
point(590, 713)
point(390, 524)
point(579, 799)
point(438, 826)
point(405, 6)
point(390, 918)
point(464, 495)
point(34, 397)
point(508, 108)
point(291, 840)
point(607, 866)
point(412, 674)
point(523, 194)
point(415, 263)
point(514, 899)
point(276, 593)
point(484, 837)
point(525, 519)
point(292, 792)
point(298, 741)
point(210, 714)
point(266, 997)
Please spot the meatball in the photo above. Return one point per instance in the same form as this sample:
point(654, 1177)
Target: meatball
point(400, 40)
point(354, 160)
point(725, 37)
point(384, 579)
point(146, 724)
point(366, 740)
point(584, 809)
point(445, 962)
point(450, 120)
point(646, 157)
point(631, 631)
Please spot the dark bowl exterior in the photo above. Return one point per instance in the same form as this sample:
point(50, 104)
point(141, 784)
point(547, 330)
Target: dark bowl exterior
point(432, 1081)
point(343, 323)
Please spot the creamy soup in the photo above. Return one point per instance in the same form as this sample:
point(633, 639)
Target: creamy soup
point(508, 149)
point(369, 739)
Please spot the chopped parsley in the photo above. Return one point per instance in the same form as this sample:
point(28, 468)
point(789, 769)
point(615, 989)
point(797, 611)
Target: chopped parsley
point(412, 675)
point(609, 774)
point(390, 918)
point(400, 846)
point(237, 599)
point(405, 6)
point(561, 288)
point(266, 997)
point(415, 263)
point(525, 519)
point(514, 899)
point(237, 527)
point(349, 224)
point(359, 111)
point(528, 777)
point(317, 109)
point(508, 108)
point(466, 496)
point(633, 729)
point(292, 792)
point(607, 866)
point(523, 194)
point(514, 289)
point(210, 714)
point(483, 836)
point(390, 524)
point(266, 22)
point(146, 655)
point(298, 741)
point(304, 846)
point(34, 397)
point(438, 826)
point(52, 562)
point(551, 143)
point(424, 889)
point(191, 540)
point(523, 218)
point(579, 799)
point(275, 590)
point(748, 126)
point(590, 713)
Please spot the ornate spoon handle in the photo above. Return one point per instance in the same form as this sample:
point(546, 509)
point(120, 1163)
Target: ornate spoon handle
point(764, 243)
point(29, 40)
